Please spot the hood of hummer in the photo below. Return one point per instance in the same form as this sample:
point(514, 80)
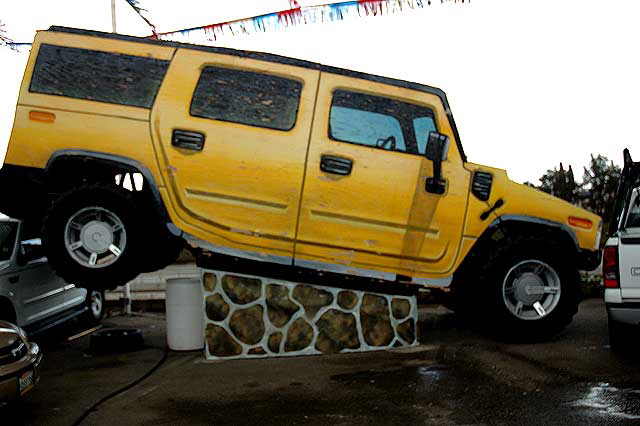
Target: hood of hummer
point(522, 200)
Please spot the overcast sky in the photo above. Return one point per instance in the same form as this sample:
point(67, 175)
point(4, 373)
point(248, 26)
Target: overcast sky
point(531, 82)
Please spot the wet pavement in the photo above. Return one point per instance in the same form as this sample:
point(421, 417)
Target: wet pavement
point(455, 377)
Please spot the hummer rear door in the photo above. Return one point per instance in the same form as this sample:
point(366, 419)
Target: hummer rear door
point(231, 134)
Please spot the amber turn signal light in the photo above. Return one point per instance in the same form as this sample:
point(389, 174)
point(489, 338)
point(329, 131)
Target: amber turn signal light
point(579, 222)
point(41, 116)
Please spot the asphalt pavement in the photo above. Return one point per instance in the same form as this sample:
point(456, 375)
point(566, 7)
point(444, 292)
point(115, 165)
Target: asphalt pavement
point(455, 377)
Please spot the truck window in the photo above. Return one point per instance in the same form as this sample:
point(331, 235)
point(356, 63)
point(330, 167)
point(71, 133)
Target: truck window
point(633, 219)
point(7, 239)
point(246, 97)
point(421, 127)
point(31, 250)
point(379, 122)
point(365, 128)
point(97, 76)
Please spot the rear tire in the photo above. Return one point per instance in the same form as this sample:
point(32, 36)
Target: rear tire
point(93, 236)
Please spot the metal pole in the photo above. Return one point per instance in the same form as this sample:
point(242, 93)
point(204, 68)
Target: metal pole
point(127, 299)
point(113, 16)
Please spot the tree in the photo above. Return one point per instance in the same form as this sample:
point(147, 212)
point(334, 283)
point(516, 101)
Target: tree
point(4, 40)
point(560, 183)
point(601, 180)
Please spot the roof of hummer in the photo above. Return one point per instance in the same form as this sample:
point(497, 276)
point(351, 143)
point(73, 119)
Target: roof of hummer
point(270, 57)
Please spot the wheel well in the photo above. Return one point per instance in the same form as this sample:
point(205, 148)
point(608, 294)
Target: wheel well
point(510, 232)
point(7, 313)
point(66, 172)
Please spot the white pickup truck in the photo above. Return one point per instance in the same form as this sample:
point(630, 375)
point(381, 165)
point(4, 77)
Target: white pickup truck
point(32, 296)
point(621, 259)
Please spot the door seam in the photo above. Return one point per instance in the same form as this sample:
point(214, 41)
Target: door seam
point(304, 173)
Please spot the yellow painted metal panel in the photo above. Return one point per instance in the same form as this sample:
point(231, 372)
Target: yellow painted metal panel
point(522, 200)
point(33, 142)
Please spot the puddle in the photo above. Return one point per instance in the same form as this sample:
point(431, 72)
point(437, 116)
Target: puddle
point(609, 400)
point(433, 373)
point(426, 374)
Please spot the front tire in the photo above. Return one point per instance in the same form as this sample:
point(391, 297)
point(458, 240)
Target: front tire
point(92, 236)
point(532, 289)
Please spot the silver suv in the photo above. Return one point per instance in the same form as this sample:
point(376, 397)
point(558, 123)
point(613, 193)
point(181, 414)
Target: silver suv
point(32, 296)
point(621, 259)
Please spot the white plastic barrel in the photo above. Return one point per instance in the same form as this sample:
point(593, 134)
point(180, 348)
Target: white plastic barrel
point(185, 314)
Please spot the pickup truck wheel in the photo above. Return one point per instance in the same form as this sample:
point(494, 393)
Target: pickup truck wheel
point(92, 236)
point(95, 306)
point(534, 292)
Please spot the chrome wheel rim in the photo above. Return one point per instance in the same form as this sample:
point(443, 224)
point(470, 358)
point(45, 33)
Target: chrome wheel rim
point(96, 303)
point(531, 290)
point(95, 237)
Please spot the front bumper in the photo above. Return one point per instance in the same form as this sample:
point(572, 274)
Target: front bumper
point(10, 374)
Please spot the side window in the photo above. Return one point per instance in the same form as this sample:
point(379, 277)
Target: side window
point(366, 128)
point(633, 219)
point(421, 128)
point(31, 250)
point(7, 239)
point(247, 97)
point(379, 122)
point(97, 76)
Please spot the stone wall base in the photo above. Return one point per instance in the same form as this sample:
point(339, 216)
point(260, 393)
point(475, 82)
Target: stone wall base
point(255, 317)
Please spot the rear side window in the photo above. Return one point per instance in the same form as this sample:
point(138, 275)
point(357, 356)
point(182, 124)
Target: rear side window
point(247, 97)
point(380, 122)
point(97, 76)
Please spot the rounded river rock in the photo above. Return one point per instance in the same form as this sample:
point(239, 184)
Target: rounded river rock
point(247, 324)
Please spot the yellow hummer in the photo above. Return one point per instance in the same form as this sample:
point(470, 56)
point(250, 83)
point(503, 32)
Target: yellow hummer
point(123, 148)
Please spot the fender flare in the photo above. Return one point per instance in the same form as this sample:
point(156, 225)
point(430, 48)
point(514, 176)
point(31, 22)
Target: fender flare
point(511, 218)
point(111, 159)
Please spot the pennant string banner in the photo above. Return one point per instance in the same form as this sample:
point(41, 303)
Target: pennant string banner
point(294, 16)
point(135, 4)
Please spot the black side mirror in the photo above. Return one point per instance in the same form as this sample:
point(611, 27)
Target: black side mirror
point(435, 149)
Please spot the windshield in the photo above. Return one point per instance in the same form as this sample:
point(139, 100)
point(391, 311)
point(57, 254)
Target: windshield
point(7, 239)
point(633, 219)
